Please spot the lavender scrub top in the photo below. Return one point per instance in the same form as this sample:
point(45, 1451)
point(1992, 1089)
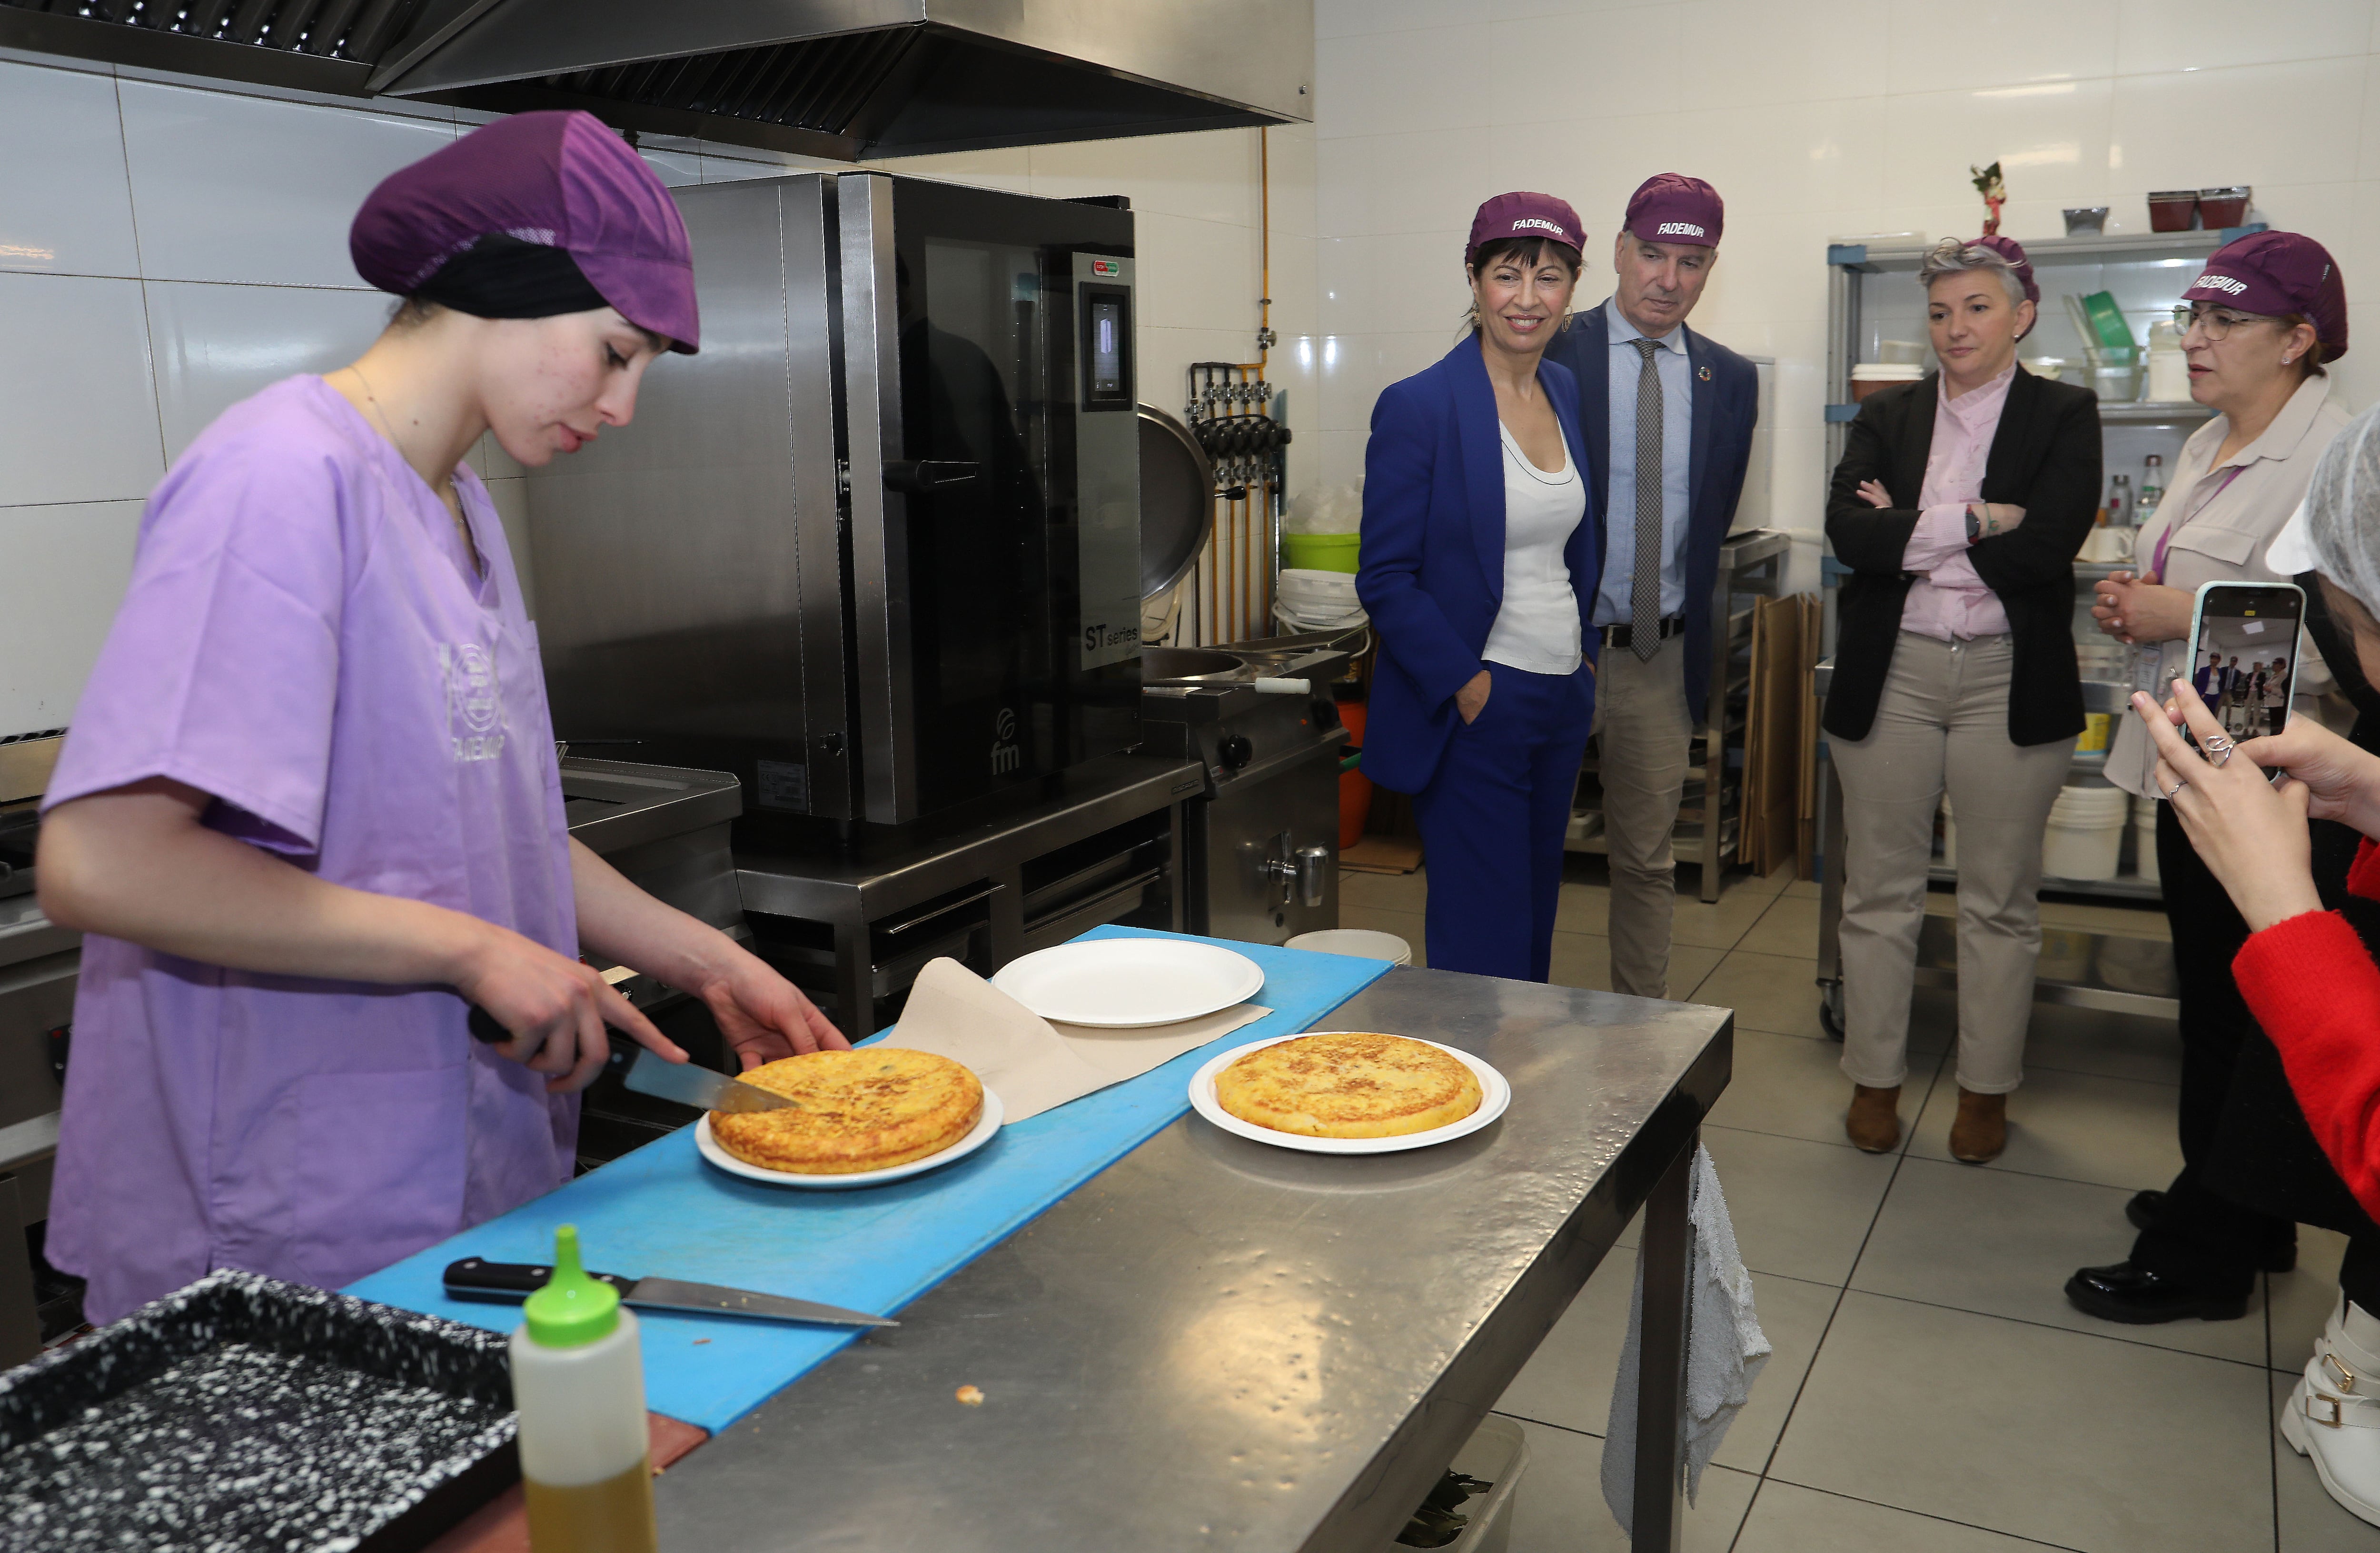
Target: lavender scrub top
point(304, 639)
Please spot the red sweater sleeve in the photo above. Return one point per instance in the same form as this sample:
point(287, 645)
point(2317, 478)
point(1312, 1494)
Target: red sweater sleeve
point(2364, 877)
point(2314, 988)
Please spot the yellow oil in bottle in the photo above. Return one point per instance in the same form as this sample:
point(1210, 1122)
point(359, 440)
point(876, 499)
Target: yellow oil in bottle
point(612, 1516)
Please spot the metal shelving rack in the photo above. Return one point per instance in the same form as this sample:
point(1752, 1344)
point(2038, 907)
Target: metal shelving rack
point(1751, 564)
point(2146, 272)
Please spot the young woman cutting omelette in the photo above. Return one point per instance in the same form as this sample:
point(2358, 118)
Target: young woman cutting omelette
point(309, 810)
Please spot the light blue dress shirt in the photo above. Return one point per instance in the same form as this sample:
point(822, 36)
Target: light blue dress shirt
point(1612, 599)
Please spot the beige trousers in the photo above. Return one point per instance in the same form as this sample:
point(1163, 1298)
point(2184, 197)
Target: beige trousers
point(1642, 729)
point(1943, 720)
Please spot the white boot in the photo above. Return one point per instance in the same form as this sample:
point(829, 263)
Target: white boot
point(2333, 1411)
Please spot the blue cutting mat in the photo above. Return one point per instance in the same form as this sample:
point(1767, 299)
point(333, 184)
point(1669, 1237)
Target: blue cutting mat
point(660, 1209)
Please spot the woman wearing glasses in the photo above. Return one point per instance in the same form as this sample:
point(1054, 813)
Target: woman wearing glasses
point(2262, 320)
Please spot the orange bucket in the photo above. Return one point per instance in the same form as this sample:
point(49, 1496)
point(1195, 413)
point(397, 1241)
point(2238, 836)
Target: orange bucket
point(1355, 787)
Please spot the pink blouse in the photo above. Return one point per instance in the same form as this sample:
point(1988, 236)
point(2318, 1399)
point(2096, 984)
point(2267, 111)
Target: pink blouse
point(1949, 602)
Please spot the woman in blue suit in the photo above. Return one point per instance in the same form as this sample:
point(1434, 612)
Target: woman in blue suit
point(1479, 557)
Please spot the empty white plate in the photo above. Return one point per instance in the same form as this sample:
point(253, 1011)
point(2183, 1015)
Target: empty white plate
point(986, 1126)
point(1124, 983)
point(1495, 1095)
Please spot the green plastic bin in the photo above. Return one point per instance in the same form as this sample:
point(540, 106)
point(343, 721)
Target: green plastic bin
point(1319, 553)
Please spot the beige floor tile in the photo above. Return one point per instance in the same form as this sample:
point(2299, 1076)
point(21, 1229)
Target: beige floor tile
point(1383, 892)
point(1407, 924)
point(1999, 1244)
point(1787, 1518)
point(2071, 1439)
point(1584, 960)
point(1776, 883)
point(1568, 1381)
point(1775, 992)
point(1558, 1506)
point(1800, 1209)
point(2301, 1300)
point(1802, 889)
point(2309, 1518)
point(1583, 908)
point(1789, 927)
point(2078, 1126)
point(1793, 1086)
point(2087, 1040)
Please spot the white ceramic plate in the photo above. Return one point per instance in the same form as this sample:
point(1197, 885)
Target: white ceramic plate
point(986, 1125)
point(1128, 983)
point(1494, 1095)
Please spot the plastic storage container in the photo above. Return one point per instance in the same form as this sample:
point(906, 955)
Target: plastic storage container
point(1497, 1454)
point(1355, 787)
point(2085, 837)
point(1364, 943)
point(1319, 553)
point(2145, 838)
point(578, 1383)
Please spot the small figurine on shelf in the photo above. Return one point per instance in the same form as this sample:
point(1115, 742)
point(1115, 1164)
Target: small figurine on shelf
point(1995, 193)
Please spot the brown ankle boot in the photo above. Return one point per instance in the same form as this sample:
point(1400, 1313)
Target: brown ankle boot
point(1981, 1130)
point(1875, 1120)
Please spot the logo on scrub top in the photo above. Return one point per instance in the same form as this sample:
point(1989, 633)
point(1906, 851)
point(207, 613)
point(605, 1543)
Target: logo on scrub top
point(475, 701)
point(1005, 755)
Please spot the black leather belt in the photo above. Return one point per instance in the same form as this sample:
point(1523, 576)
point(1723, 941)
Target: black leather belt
point(1625, 635)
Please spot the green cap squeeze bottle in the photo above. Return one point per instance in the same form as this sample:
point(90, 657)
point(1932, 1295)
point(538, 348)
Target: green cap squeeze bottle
point(578, 1383)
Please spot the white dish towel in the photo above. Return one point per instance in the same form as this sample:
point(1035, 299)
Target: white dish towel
point(1725, 1348)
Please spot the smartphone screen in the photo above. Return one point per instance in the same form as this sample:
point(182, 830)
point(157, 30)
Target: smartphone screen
point(2244, 659)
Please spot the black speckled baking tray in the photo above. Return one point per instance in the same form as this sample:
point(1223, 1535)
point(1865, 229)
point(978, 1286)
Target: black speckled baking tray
point(242, 1414)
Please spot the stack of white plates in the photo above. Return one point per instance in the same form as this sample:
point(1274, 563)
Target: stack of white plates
point(1888, 371)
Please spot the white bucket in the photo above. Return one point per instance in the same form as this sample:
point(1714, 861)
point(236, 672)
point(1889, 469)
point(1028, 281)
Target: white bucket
point(1360, 943)
point(2085, 835)
point(2144, 837)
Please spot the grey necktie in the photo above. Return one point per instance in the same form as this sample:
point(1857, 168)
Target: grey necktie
point(1644, 591)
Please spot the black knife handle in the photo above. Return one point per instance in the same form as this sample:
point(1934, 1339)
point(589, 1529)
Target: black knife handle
point(484, 1027)
point(511, 1282)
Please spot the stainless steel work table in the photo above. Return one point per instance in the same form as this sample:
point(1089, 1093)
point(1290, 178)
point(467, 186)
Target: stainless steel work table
point(1216, 1343)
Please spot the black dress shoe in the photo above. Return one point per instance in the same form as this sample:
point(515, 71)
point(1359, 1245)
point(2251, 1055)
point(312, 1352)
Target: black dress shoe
point(2141, 1297)
point(2141, 1211)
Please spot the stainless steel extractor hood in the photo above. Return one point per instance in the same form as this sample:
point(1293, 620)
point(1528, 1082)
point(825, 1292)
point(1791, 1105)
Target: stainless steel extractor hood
point(851, 79)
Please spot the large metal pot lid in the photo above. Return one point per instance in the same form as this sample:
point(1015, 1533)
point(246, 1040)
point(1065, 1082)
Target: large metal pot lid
point(1177, 502)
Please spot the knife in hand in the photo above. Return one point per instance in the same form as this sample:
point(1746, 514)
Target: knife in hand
point(511, 1282)
point(648, 1073)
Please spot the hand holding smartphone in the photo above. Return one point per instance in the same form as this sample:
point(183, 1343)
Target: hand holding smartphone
point(2244, 654)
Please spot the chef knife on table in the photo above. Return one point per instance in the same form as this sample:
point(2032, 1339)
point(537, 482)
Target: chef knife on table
point(509, 1283)
point(689, 1084)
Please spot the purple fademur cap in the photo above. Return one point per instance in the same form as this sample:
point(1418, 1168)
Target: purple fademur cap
point(1673, 207)
point(1524, 216)
point(2014, 251)
point(556, 179)
point(2278, 273)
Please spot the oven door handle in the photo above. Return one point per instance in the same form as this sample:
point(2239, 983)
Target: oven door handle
point(923, 476)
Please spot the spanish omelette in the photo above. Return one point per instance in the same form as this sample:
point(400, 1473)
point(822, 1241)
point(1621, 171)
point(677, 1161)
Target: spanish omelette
point(1352, 1085)
point(867, 1109)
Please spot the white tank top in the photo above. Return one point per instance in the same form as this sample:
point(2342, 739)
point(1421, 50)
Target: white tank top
point(1536, 628)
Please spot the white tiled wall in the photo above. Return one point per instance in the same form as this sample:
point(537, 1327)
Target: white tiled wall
point(1813, 119)
point(168, 246)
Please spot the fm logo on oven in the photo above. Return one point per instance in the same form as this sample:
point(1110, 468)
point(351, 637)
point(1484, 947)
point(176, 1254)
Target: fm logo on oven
point(1005, 755)
point(1106, 267)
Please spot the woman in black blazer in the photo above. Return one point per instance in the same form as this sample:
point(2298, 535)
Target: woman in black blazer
point(1959, 505)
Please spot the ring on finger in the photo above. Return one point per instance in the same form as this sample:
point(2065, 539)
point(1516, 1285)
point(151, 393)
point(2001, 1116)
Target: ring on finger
point(2179, 783)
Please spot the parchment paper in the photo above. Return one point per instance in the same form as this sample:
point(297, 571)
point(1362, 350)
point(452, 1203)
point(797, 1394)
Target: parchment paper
point(1030, 1064)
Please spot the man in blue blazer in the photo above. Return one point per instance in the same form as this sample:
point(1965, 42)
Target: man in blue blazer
point(1668, 415)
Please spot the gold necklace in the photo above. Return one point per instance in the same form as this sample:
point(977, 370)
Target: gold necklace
point(470, 545)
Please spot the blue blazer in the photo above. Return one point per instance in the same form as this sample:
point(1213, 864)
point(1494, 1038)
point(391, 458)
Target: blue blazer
point(1432, 573)
point(1727, 406)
